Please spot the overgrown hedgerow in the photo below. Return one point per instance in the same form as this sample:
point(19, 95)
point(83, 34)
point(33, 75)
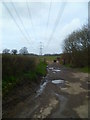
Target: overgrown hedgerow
point(19, 67)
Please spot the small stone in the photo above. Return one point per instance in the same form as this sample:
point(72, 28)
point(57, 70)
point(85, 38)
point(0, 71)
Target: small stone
point(41, 111)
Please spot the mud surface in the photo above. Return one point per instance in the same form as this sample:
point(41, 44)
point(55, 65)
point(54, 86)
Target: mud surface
point(63, 93)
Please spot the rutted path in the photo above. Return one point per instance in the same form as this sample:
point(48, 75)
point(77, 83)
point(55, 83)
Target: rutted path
point(63, 93)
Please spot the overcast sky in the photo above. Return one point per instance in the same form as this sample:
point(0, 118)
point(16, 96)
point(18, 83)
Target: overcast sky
point(46, 22)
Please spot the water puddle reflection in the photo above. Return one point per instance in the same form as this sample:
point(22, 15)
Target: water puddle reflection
point(57, 81)
point(51, 68)
point(42, 87)
point(56, 70)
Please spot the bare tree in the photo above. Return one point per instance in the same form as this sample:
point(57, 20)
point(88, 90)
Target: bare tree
point(14, 51)
point(23, 51)
point(6, 51)
point(76, 47)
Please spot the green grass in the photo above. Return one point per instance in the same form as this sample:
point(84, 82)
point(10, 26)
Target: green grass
point(85, 69)
point(41, 69)
point(67, 65)
point(48, 58)
point(8, 84)
point(38, 72)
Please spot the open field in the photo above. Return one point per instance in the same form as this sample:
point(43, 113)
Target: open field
point(48, 58)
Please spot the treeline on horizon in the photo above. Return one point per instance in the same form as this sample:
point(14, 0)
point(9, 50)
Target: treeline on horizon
point(24, 51)
point(76, 48)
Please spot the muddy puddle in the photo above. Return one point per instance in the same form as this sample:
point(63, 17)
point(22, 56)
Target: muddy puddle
point(43, 85)
point(57, 81)
point(56, 70)
point(50, 68)
point(41, 88)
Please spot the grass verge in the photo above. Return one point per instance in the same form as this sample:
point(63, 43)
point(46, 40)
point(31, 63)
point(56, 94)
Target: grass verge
point(85, 69)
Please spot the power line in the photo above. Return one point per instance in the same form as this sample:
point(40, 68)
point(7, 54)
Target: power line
point(49, 14)
point(20, 20)
point(48, 17)
point(15, 21)
point(56, 22)
point(30, 16)
point(29, 12)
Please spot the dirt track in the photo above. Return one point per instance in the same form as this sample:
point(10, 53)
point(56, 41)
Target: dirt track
point(63, 93)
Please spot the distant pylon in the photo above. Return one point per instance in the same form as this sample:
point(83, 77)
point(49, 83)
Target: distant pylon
point(41, 48)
